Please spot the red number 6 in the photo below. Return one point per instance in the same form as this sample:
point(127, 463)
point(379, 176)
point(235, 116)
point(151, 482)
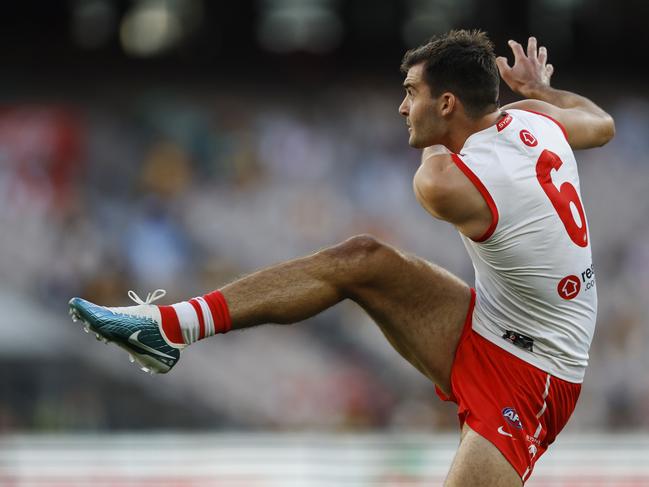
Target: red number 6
point(562, 197)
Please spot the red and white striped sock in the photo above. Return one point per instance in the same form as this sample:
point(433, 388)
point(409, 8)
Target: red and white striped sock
point(201, 317)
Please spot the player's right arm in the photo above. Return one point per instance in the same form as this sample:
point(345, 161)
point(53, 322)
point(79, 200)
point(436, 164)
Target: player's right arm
point(586, 124)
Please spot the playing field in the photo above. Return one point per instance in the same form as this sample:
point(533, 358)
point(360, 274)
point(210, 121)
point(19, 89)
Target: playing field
point(278, 460)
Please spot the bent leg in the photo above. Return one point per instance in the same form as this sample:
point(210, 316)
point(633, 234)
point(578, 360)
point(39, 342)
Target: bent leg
point(420, 307)
point(480, 464)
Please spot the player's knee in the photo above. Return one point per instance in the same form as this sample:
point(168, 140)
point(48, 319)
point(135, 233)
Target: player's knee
point(358, 250)
point(358, 259)
point(360, 247)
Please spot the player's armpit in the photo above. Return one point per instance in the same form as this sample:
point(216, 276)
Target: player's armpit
point(447, 194)
point(585, 128)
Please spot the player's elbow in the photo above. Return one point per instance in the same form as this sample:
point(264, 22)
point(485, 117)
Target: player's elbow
point(592, 130)
point(603, 130)
point(607, 130)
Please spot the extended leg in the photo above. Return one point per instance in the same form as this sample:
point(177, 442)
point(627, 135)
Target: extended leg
point(419, 307)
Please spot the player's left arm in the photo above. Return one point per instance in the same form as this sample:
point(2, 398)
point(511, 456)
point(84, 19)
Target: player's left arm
point(447, 194)
point(587, 125)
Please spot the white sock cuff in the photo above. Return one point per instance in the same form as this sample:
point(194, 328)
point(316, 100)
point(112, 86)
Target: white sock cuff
point(208, 319)
point(188, 319)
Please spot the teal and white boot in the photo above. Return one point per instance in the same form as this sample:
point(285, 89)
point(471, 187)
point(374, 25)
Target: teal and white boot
point(137, 329)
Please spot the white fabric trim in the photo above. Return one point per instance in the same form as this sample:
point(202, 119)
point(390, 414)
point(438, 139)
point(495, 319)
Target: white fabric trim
point(208, 319)
point(188, 319)
point(544, 407)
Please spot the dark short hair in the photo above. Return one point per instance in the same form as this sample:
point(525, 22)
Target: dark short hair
point(462, 62)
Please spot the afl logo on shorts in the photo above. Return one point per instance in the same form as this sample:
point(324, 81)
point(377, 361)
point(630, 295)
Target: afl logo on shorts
point(527, 138)
point(512, 418)
point(569, 287)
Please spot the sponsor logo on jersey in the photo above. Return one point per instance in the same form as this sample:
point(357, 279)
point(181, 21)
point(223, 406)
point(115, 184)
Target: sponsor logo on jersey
point(527, 138)
point(512, 418)
point(503, 122)
point(569, 287)
point(588, 277)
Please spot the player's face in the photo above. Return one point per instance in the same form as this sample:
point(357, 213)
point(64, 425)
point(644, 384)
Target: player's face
point(425, 125)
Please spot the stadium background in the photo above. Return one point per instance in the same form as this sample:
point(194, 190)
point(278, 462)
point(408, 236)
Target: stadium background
point(179, 144)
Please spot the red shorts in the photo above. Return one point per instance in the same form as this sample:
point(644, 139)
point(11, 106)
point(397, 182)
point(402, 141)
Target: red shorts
point(516, 406)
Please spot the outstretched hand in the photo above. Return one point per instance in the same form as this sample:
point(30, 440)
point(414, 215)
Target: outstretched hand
point(530, 71)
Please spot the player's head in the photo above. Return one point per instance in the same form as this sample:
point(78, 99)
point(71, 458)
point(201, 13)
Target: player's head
point(449, 74)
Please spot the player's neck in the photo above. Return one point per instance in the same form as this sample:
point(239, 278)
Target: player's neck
point(468, 126)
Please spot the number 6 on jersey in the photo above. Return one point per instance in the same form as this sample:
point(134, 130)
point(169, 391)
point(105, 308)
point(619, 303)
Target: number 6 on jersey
point(562, 197)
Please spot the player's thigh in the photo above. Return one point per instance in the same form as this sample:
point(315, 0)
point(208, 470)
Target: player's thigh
point(480, 464)
point(420, 307)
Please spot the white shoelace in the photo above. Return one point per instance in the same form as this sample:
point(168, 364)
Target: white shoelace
point(150, 297)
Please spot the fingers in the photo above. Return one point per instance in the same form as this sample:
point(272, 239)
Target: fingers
point(503, 65)
point(532, 51)
point(543, 55)
point(531, 48)
point(549, 69)
point(517, 49)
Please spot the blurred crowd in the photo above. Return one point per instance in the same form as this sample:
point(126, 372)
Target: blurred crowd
point(188, 191)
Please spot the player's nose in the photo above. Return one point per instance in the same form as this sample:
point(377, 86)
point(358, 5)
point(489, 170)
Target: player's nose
point(403, 108)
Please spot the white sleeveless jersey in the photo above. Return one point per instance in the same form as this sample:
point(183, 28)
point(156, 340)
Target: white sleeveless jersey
point(533, 268)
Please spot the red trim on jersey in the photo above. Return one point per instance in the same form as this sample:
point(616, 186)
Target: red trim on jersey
point(171, 325)
point(485, 194)
point(201, 320)
point(563, 129)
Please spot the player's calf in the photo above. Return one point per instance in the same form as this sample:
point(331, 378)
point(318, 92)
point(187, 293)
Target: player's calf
point(403, 294)
point(295, 290)
point(289, 292)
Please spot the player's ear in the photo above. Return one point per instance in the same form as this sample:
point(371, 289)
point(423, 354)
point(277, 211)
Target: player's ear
point(446, 103)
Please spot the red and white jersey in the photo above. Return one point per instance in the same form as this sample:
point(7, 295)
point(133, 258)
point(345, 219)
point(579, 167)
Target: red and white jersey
point(533, 267)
